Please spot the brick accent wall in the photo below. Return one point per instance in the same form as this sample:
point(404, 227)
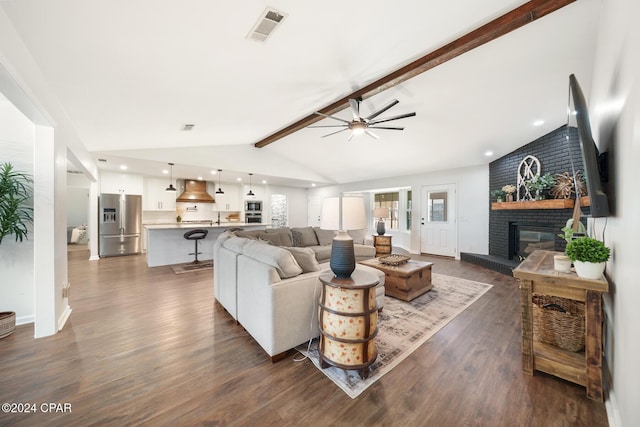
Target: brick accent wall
point(553, 151)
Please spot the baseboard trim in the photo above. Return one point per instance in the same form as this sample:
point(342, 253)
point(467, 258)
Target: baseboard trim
point(94, 258)
point(64, 317)
point(23, 320)
point(611, 403)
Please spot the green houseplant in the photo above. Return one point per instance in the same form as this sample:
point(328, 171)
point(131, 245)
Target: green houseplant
point(589, 256)
point(15, 213)
point(498, 195)
point(539, 183)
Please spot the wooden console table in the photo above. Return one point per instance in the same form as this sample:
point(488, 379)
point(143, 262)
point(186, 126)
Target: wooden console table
point(537, 276)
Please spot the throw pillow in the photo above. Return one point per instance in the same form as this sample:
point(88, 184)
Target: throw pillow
point(272, 238)
point(248, 234)
point(358, 236)
point(304, 236)
point(325, 237)
point(280, 259)
point(306, 258)
point(284, 233)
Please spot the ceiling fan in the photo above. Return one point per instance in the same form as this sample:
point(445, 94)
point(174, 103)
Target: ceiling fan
point(360, 125)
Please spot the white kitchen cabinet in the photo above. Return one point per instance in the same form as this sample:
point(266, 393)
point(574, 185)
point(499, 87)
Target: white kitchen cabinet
point(121, 183)
point(231, 200)
point(156, 198)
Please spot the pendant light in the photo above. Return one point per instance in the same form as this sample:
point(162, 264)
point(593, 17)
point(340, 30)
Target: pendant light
point(250, 193)
point(171, 187)
point(219, 191)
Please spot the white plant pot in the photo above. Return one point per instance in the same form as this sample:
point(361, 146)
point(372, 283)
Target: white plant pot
point(589, 270)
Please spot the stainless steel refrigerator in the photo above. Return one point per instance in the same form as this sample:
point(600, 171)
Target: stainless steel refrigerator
point(120, 224)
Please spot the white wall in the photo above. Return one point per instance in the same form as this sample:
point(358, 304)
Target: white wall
point(77, 200)
point(614, 106)
point(16, 258)
point(472, 213)
point(296, 204)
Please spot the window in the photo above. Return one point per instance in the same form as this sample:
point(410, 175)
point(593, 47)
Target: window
point(399, 204)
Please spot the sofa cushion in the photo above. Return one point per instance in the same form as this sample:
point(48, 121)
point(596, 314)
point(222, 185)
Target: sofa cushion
point(253, 234)
point(323, 253)
point(305, 257)
point(271, 238)
point(358, 235)
point(280, 259)
point(304, 236)
point(236, 243)
point(284, 233)
point(325, 237)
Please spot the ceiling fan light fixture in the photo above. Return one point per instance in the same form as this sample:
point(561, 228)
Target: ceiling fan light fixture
point(358, 128)
point(170, 188)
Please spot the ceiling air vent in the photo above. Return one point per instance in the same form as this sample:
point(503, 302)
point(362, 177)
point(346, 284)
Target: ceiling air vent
point(268, 21)
point(187, 127)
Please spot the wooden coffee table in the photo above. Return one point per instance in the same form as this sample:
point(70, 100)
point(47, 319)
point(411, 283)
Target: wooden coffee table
point(405, 281)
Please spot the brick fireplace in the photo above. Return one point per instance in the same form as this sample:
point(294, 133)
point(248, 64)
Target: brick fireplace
point(505, 226)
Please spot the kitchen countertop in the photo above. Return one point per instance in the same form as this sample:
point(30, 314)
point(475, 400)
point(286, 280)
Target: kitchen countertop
point(204, 224)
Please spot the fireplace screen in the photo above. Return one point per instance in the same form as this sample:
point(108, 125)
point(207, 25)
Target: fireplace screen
point(526, 238)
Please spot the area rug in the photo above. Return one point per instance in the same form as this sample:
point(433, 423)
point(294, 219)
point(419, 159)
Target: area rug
point(188, 267)
point(405, 326)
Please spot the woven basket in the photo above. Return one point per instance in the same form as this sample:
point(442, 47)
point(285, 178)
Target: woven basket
point(559, 321)
point(7, 323)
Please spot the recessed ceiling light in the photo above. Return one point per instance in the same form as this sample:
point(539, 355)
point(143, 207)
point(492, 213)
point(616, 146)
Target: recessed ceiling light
point(488, 153)
point(123, 167)
point(214, 172)
point(538, 123)
point(199, 178)
point(238, 179)
point(264, 181)
point(164, 171)
point(313, 184)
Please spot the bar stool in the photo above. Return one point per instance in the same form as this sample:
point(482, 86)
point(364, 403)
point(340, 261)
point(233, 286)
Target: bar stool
point(196, 235)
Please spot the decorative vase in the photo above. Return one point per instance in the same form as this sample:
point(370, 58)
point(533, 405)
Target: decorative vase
point(539, 195)
point(381, 228)
point(509, 197)
point(343, 257)
point(561, 263)
point(589, 270)
point(178, 218)
point(499, 199)
point(7, 323)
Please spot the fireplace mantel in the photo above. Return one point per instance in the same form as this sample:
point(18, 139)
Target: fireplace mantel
point(540, 204)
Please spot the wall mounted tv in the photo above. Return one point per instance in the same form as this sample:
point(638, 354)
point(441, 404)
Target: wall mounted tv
point(594, 163)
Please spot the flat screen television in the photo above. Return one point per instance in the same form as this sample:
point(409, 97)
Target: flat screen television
point(594, 163)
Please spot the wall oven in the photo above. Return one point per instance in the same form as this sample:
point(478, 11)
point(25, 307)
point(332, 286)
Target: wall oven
point(253, 205)
point(253, 218)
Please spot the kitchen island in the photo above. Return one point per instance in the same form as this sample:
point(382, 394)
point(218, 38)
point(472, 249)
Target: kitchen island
point(166, 244)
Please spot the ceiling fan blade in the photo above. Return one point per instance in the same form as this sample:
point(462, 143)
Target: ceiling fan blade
point(350, 136)
point(385, 108)
point(371, 134)
point(355, 108)
point(401, 116)
point(385, 127)
point(333, 133)
point(332, 117)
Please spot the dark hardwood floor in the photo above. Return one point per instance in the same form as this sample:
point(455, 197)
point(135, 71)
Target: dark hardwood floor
point(146, 346)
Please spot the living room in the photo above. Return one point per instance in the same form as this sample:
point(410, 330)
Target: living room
point(613, 67)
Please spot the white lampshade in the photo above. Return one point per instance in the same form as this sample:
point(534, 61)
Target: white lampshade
point(353, 214)
point(381, 213)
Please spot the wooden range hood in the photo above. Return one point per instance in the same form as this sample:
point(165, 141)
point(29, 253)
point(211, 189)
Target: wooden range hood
point(195, 192)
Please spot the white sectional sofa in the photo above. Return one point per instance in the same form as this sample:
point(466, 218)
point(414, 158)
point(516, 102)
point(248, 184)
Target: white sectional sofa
point(273, 291)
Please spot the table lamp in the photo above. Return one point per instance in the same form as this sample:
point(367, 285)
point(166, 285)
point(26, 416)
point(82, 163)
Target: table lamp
point(342, 214)
point(381, 213)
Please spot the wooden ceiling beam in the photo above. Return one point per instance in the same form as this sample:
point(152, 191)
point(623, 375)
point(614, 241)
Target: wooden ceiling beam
point(510, 21)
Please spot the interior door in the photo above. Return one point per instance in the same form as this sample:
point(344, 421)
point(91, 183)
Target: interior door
point(439, 230)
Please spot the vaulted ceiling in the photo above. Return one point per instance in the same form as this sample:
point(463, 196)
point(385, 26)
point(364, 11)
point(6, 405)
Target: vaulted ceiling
point(129, 74)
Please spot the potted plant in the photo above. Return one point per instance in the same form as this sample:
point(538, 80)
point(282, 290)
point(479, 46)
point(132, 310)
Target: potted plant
point(498, 195)
point(539, 183)
point(589, 256)
point(15, 213)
